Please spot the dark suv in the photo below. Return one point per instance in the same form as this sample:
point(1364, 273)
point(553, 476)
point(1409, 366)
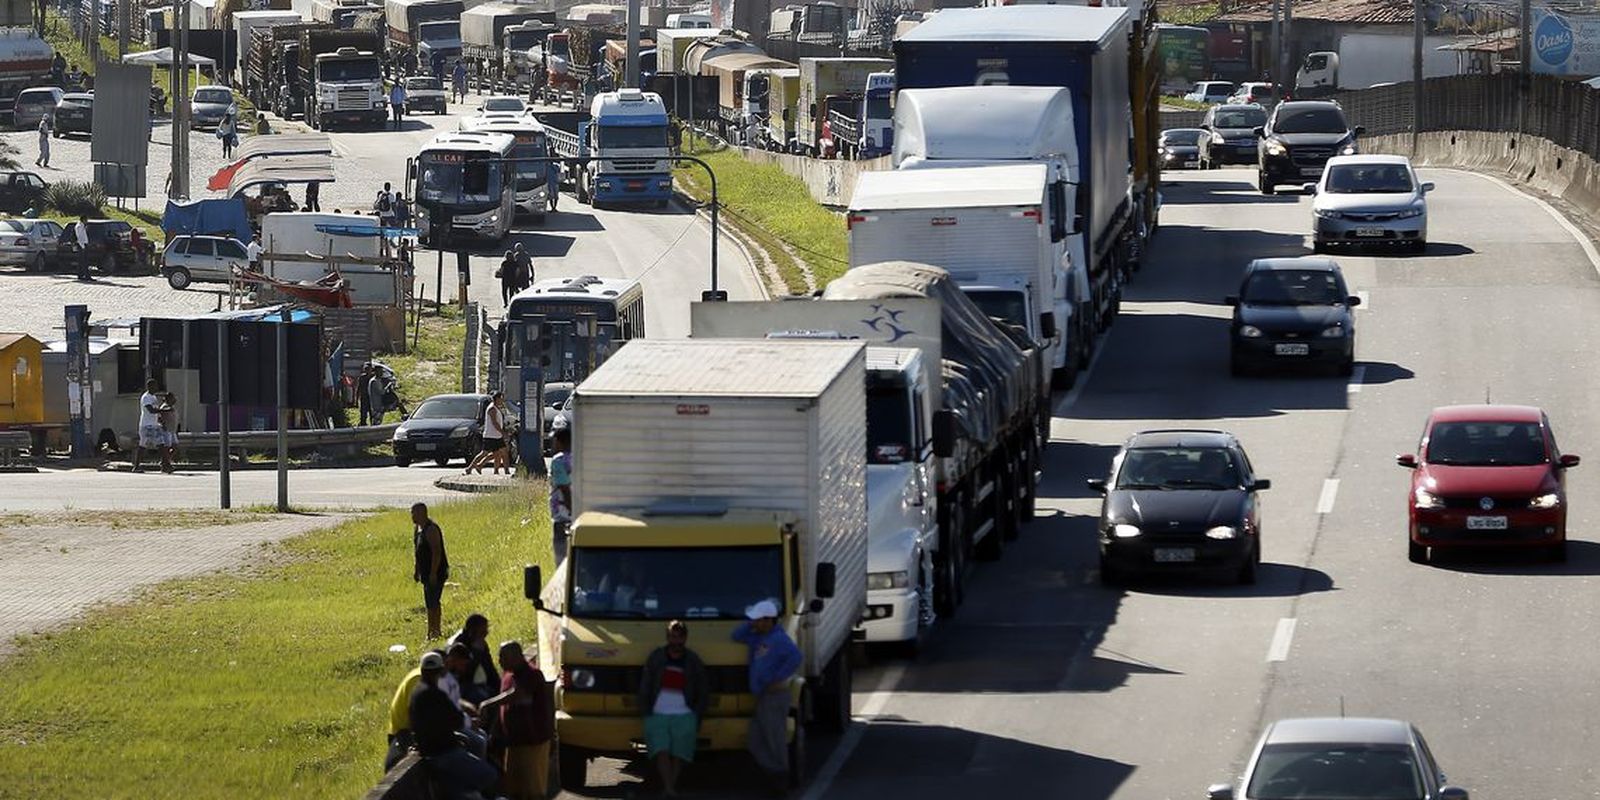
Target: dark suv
point(1298, 139)
point(114, 246)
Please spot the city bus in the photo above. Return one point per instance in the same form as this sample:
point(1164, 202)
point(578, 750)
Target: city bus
point(616, 303)
point(530, 177)
point(463, 187)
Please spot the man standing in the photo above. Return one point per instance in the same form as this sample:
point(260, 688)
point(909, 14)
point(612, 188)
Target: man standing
point(435, 721)
point(44, 142)
point(526, 723)
point(773, 661)
point(252, 252)
point(385, 206)
point(151, 434)
point(82, 235)
point(507, 273)
point(397, 102)
point(377, 397)
point(432, 566)
point(561, 491)
point(673, 693)
point(458, 86)
point(363, 396)
point(313, 194)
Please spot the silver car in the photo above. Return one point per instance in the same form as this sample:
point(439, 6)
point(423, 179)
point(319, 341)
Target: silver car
point(1369, 759)
point(202, 258)
point(29, 243)
point(210, 105)
point(33, 104)
point(1369, 199)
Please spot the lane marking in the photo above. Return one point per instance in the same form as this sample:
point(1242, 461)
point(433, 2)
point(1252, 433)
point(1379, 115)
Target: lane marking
point(887, 683)
point(1330, 491)
point(1357, 377)
point(1572, 230)
point(1281, 639)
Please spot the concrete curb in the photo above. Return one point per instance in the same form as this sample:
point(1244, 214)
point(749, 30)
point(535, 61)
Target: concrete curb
point(479, 484)
point(730, 234)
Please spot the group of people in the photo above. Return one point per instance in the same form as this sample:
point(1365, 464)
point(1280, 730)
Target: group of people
point(377, 393)
point(158, 425)
point(477, 727)
point(515, 273)
point(392, 207)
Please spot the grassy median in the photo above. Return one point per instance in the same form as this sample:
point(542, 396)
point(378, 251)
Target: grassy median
point(272, 684)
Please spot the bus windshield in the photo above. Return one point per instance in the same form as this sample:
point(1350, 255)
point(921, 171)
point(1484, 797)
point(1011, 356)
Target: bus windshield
point(460, 178)
point(530, 174)
point(623, 136)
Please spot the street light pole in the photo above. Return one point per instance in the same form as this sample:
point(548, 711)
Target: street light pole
point(1416, 75)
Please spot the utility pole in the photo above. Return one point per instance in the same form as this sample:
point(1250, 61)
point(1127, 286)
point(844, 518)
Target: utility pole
point(1525, 54)
point(1286, 57)
point(1416, 75)
point(124, 23)
point(180, 103)
point(283, 412)
point(630, 78)
point(1275, 45)
point(223, 410)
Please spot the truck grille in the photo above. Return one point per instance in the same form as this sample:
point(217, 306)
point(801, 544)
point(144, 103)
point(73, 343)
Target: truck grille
point(625, 680)
point(634, 164)
point(352, 99)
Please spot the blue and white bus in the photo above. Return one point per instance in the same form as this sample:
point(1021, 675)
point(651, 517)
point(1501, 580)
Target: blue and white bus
point(531, 178)
point(616, 303)
point(463, 188)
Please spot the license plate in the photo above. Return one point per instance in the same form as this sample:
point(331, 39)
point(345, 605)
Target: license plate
point(1191, 162)
point(1486, 523)
point(634, 186)
point(1369, 232)
point(424, 448)
point(1174, 555)
point(1291, 349)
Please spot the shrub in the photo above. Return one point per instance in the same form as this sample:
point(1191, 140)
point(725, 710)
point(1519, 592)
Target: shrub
point(75, 197)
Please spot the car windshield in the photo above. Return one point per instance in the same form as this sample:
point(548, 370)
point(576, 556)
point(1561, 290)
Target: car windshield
point(888, 425)
point(503, 104)
point(1178, 468)
point(1181, 137)
point(1369, 179)
point(1260, 91)
point(670, 583)
point(1284, 287)
point(1240, 118)
point(878, 107)
point(1317, 119)
point(448, 408)
point(1335, 772)
point(422, 83)
point(213, 96)
point(631, 136)
point(1486, 444)
point(554, 396)
point(1214, 89)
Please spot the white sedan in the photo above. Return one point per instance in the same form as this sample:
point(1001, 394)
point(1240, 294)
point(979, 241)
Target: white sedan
point(1369, 199)
point(503, 107)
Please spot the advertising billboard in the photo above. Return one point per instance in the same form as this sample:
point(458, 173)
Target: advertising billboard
point(1565, 44)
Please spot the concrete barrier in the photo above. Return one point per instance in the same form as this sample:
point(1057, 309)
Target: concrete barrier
point(407, 781)
point(1566, 174)
point(1180, 117)
point(830, 181)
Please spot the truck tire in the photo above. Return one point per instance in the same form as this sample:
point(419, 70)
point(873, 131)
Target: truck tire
point(1030, 484)
point(950, 564)
point(1008, 503)
point(993, 545)
point(1064, 378)
point(573, 766)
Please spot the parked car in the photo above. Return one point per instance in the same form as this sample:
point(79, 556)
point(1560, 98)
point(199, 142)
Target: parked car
point(1230, 134)
point(424, 94)
point(209, 105)
point(1369, 200)
point(556, 395)
point(1180, 501)
point(1210, 92)
point(201, 258)
point(1292, 311)
point(1253, 92)
point(114, 246)
point(29, 243)
point(1487, 476)
point(503, 107)
point(1340, 757)
point(445, 426)
point(33, 104)
point(75, 114)
point(1179, 147)
point(1298, 139)
point(20, 191)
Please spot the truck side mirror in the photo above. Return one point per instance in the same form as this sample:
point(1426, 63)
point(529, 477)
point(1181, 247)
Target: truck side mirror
point(532, 582)
point(1047, 325)
point(826, 578)
point(1361, 130)
point(944, 433)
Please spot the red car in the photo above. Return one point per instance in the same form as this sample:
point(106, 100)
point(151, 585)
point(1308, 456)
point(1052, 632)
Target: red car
point(1488, 476)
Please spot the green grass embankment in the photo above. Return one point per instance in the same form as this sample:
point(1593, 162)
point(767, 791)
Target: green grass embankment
point(271, 684)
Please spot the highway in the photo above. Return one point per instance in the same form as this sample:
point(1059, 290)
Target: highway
point(1048, 684)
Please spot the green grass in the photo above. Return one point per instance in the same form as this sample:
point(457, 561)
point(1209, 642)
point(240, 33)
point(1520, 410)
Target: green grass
point(771, 207)
point(1179, 102)
point(270, 685)
point(434, 365)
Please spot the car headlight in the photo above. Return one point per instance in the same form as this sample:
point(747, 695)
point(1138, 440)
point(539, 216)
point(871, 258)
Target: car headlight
point(1216, 138)
point(888, 580)
point(604, 186)
point(1249, 332)
point(1413, 212)
point(1425, 499)
point(580, 679)
point(1124, 531)
point(1325, 213)
point(461, 431)
point(1333, 332)
point(1550, 500)
point(1222, 532)
point(1275, 149)
point(1348, 150)
point(401, 434)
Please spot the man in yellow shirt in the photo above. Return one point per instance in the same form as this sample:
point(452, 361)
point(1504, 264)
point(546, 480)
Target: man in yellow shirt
point(400, 713)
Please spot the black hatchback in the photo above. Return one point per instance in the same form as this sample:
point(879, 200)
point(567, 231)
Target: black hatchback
point(1180, 501)
point(1293, 312)
point(75, 113)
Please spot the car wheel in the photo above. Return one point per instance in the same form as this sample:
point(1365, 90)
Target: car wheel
point(178, 278)
point(1235, 366)
point(108, 264)
point(1418, 553)
point(39, 264)
point(1265, 183)
point(1558, 552)
point(402, 461)
point(442, 461)
point(1318, 246)
point(1247, 571)
point(1419, 246)
point(1347, 367)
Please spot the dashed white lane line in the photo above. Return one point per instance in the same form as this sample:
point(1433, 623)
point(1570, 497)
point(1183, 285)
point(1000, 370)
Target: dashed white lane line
point(1330, 491)
point(1281, 639)
point(1357, 377)
point(872, 707)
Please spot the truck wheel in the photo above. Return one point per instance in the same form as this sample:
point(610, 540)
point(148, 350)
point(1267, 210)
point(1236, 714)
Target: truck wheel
point(1008, 504)
point(993, 545)
point(1030, 484)
point(573, 764)
point(1064, 378)
point(950, 566)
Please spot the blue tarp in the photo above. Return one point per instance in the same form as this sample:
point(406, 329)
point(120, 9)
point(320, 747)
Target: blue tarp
point(220, 217)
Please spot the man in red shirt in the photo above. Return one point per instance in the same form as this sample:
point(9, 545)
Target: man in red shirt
point(673, 694)
point(526, 725)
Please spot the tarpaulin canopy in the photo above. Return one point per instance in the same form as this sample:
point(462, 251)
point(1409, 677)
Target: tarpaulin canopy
point(271, 146)
point(164, 57)
point(281, 169)
point(216, 216)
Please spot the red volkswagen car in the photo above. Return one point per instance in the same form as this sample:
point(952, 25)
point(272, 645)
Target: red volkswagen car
point(1488, 476)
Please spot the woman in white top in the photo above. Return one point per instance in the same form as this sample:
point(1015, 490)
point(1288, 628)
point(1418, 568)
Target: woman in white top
point(494, 437)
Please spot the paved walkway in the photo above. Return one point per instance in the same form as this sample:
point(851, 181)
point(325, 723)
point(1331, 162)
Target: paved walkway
point(52, 572)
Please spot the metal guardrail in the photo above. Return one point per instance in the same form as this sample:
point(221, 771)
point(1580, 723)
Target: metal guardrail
point(299, 439)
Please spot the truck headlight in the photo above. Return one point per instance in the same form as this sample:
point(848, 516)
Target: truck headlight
point(1124, 531)
point(1222, 532)
point(377, 104)
point(581, 679)
point(888, 580)
point(665, 183)
point(1543, 501)
point(327, 105)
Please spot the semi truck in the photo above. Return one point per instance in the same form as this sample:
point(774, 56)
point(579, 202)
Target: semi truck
point(1367, 59)
point(1107, 61)
point(902, 390)
point(717, 474)
point(987, 422)
point(245, 23)
point(734, 114)
point(341, 76)
point(623, 138)
point(864, 128)
point(342, 13)
point(272, 78)
point(24, 63)
point(783, 98)
point(485, 41)
point(416, 35)
point(825, 78)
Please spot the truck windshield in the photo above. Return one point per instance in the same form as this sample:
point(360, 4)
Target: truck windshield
point(671, 583)
point(350, 70)
point(454, 178)
point(521, 40)
point(1004, 304)
point(889, 434)
point(878, 107)
point(440, 31)
point(613, 136)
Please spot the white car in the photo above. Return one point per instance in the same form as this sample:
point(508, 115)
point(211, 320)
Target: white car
point(502, 107)
point(29, 243)
point(201, 258)
point(424, 94)
point(1211, 92)
point(1369, 199)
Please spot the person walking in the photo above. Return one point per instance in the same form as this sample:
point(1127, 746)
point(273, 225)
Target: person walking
point(673, 693)
point(494, 437)
point(44, 142)
point(169, 424)
point(435, 723)
point(561, 491)
point(252, 252)
point(524, 269)
point(152, 436)
point(773, 661)
point(527, 724)
point(432, 567)
point(507, 273)
point(313, 196)
point(402, 210)
point(384, 205)
point(81, 233)
point(397, 103)
point(227, 131)
point(458, 85)
point(552, 184)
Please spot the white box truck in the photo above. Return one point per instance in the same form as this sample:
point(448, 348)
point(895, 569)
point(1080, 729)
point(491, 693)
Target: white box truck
point(244, 23)
point(710, 475)
point(825, 82)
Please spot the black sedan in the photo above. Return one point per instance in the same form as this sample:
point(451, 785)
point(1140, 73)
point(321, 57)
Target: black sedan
point(1179, 148)
point(445, 426)
point(1180, 501)
point(1230, 135)
point(75, 113)
point(1293, 312)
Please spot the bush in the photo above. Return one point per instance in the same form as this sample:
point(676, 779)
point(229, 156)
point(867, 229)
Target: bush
point(75, 197)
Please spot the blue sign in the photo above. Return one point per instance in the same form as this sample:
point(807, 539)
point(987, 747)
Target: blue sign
point(1552, 40)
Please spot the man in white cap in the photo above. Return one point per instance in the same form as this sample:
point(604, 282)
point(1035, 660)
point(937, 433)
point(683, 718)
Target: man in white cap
point(773, 661)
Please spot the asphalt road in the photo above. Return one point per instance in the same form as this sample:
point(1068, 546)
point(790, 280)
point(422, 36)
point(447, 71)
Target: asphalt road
point(1049, 685)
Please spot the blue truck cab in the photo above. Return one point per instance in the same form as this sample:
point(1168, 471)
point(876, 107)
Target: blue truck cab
point(626, 135)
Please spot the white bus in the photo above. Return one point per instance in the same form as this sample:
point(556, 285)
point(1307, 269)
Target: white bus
point(532, 181)
point(616, 303)
point(463, 188)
